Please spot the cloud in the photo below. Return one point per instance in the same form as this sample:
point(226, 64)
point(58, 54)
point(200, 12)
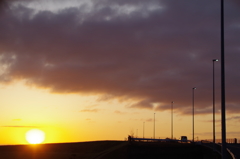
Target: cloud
point(90, 110)
point(149, 120)
point(227, 119)
point(19, 126)
point(229, 133)
point(143, 104)
point(151, 52)
point(119, 112)
point(17, 119)
point(90, 120)
point(233, 118)
point(2, 3)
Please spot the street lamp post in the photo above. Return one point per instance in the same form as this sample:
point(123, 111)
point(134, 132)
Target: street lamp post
point(143, 128)
point(172, 120)
point(223, 102)
point(154, 126)
point(193, 113)
point(214, 138)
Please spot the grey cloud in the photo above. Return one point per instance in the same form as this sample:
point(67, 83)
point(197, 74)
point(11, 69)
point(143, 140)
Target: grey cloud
point(143, 104)
point(153, 58)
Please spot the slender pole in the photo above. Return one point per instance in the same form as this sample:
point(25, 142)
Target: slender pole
point(172, 121)
point(223, 119)
point(154, 126)
point(214, 138)
point(143, 129)
point(193, 113)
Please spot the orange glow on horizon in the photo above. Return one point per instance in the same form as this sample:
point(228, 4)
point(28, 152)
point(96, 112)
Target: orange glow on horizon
point(76, 118)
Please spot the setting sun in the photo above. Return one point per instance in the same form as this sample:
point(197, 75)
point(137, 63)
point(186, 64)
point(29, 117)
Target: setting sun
point(35, 136)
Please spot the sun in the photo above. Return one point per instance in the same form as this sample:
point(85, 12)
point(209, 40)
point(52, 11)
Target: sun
point(35, 136)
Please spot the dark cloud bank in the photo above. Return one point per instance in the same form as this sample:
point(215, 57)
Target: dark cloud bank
point(153, 52)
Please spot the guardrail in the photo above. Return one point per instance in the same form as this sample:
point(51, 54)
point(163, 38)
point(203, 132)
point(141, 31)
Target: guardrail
point(217, 148)
point(229, 141)
point(131, 139)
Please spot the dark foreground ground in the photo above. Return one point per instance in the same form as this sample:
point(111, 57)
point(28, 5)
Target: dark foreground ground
point(107, 150)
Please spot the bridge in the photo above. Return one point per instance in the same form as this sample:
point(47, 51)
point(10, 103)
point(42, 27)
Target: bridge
point(233, 147)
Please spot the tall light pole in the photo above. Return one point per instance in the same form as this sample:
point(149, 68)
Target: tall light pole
point(143, 128)
point(172, 120)
point(214, 103)
point(223, 113)
point(193, 113)
point(154, 126)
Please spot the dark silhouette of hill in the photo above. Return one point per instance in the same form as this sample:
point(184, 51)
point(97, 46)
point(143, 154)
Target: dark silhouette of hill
point(107, 150)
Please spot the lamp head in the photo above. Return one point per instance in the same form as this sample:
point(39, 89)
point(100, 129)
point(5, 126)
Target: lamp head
point(194, 88)
point(215, 60)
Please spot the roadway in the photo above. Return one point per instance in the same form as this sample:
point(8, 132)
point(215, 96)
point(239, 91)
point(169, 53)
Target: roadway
point(235, 149)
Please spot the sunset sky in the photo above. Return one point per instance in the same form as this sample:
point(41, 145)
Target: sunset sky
point(84, 70)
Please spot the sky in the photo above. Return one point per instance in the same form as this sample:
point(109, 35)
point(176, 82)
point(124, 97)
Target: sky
point(85, 70)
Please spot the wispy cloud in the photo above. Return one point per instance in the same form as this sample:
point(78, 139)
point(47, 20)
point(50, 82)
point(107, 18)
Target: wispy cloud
point(143, 104)
point(229, 133)
point(233, 118)
point(17, 119)
point(90, 110)
point(89, 120)
point(119, 112)
point(149, 120)
point(19, 126)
